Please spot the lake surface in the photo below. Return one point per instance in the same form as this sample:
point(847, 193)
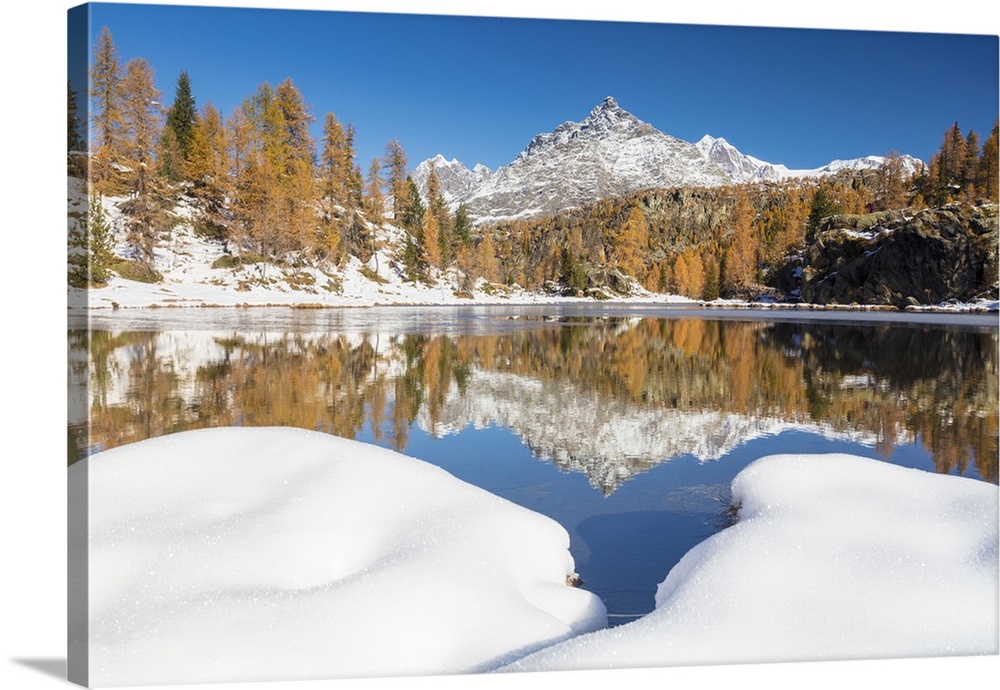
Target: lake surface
point(626, 424)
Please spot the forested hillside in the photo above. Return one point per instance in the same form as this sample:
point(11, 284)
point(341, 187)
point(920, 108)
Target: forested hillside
point(257, 184)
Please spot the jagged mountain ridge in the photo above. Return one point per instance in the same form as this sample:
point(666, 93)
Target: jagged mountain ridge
point(610, 153)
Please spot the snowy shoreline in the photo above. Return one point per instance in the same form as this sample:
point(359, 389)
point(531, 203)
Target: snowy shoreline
point(80, 300)
point(196, 272)
point(345, 560)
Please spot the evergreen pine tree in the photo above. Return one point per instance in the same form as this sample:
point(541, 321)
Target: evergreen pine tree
point(74, 139)
point(413, 209)
point(462, 226)
point(179, 130)
point(100, 243)
point(822, 206)
point(75, 145)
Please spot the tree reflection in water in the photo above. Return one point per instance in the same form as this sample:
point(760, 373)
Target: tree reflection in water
point(611, 397)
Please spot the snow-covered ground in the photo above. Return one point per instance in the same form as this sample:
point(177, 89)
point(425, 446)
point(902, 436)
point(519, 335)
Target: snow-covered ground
point(274, 553)
point(833, 557)
point(295, 554)
point(186, 259)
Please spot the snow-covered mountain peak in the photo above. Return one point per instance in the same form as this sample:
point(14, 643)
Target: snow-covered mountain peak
point(609, 153)
point(606, 121)
point(441, 162)
point(608, 113)
point(455, 180)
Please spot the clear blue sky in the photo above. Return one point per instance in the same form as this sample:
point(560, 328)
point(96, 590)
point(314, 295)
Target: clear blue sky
point(478, 89)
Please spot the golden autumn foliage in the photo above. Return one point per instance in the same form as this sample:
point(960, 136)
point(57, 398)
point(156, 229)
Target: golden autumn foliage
point(778, 370)
point(740, 270)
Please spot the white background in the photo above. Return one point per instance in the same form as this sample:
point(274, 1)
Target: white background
point(33, 337)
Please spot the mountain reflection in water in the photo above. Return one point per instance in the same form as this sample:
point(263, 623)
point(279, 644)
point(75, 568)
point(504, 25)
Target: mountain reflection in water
point(610, 397)
point(625, 427)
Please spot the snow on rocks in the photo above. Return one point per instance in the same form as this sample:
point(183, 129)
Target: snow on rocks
point(239, 554)
point(833, 557)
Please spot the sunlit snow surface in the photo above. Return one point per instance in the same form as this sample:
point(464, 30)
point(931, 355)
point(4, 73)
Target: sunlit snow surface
point(833, 557)
point(258, 554)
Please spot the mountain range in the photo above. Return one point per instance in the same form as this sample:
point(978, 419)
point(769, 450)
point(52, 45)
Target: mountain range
point(610, 153)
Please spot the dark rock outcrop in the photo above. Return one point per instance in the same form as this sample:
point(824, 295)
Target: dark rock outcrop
point(895, 259)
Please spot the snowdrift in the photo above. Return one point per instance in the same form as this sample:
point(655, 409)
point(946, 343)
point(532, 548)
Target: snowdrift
point(833, 557)
point(244, 554)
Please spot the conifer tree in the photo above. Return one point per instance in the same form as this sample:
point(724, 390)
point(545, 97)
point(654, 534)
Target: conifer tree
point(462, 226)
point(413, 209)
point(414, 264)
point(146, 210)
point(179, 130)
point(141, 121)
point(105, 93)
point(682, 276)
point(182, 114)
point(572, 270)
point(822, 206)
point(442, 219)
point(711, 277)
point(91, 250)
point(341, 178)
point(395, 166)
point(100, 243)
point(740, 268)
point(430, 239)
point(208, 170)
point(988, 162)
point(948, 165)
point(273, 171)
point(486, 260)
point(334, 198)
point(696, 270)
point(355, 180)
point(632, 243)
point(296, 118)
point(74, 139)
point(298, 188)
point(970, 166)
point(890, 184)
point(374, 198)
point(247, 199)
point(75, 143)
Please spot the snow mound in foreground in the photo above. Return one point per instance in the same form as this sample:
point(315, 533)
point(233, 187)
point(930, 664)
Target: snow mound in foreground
point(257, 554)
point(833, 557)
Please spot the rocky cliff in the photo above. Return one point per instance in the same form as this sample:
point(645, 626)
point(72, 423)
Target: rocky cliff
point(899, 258)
